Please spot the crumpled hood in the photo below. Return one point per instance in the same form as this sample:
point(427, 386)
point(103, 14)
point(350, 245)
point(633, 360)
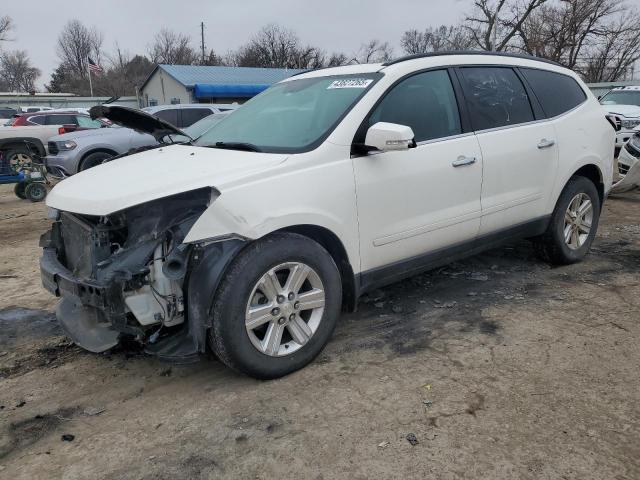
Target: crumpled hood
point(154, 174)
point(628, 111)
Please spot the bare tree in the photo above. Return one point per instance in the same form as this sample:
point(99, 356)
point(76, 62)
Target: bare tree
point(172, 48)
point(373, 51)
point(6, 25)
point(276, 47)
point(493, 24)
point(16, 72)
point(452, 37)
point(598, 38)
point(76, 43)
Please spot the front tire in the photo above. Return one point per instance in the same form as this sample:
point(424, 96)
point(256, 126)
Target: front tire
point(93, 160)
point(573, 224)
point(276, 307)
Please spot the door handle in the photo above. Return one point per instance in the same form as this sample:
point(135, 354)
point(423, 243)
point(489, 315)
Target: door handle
point(462, 161)
point(544, 143)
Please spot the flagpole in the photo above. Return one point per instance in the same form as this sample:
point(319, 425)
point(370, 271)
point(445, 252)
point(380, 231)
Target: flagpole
point(90, 84)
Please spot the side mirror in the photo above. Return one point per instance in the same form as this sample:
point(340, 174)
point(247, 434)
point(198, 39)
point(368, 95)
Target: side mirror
point(387, 137)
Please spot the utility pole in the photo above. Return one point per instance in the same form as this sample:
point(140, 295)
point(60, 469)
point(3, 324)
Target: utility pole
point(202, 40)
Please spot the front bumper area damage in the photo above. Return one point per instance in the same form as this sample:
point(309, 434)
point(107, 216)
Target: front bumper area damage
point(129, 275)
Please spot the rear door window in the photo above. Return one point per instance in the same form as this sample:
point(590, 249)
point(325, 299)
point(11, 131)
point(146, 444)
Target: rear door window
point(496, 97)
point(170, 115)
point(86, 122)
point(557, 93)
point(61, 120)
point(192, 115)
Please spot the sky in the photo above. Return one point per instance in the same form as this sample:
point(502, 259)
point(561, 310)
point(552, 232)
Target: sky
point(333, 25)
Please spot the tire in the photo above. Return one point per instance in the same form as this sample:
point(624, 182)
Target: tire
point(93, 160)
point(552, 246)
point(241, 348)
point(36, 192)
point(19, 190)
point(19, 158)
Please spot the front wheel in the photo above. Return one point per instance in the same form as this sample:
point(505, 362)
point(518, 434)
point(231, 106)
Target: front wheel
point(573, 224)
point(93, 160)
point(276, 307)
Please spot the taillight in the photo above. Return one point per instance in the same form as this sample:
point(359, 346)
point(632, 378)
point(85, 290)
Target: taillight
point(61, 131)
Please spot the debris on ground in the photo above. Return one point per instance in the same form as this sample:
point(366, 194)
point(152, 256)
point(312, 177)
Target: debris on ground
point(383, 444)
point(93, 411)
point(428, 403)
point(67, 437)
point(412, 439)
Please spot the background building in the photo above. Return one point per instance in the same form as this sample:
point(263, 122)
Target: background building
point(171, 84)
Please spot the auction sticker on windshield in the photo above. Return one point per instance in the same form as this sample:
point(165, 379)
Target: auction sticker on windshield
point(350, 83)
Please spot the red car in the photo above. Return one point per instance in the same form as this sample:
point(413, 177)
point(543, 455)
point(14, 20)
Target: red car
point(70, 120)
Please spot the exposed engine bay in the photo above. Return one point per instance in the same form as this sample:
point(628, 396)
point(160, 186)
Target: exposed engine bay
point(127, 274)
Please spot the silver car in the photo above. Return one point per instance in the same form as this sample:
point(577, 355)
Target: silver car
point(74, 152)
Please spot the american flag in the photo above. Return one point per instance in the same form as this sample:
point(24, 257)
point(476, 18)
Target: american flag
point(94, 67)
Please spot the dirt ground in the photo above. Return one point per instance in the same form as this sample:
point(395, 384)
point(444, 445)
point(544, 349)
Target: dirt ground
point(499, 367)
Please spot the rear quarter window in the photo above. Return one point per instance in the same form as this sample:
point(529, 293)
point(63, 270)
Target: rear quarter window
point(557, 93)
point(192, 115)
point(169, 115)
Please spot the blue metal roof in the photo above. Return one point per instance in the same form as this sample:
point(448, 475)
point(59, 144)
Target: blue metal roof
point(226, 81)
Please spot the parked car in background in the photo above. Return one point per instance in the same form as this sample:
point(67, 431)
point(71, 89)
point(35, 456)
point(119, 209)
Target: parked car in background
point(629, 165)
point(624, 102)
point(7, 113)
point(28, 143)
point(327, 185)
point(34, 108)
point(74, 152)
point(184, 115)
point(69, 118)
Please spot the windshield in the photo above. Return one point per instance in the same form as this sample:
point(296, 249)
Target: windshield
point(201, 126)
point(292, 116)
point(629, 97)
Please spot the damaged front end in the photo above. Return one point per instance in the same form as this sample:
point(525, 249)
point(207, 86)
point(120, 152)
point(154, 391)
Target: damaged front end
point(129, 275)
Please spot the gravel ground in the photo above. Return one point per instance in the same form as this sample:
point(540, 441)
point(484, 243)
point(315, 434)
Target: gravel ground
point(497, 367)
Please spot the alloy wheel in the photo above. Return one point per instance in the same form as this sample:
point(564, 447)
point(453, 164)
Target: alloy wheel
point(285, 309)
point(577, 221)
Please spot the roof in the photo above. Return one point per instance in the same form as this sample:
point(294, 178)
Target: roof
point(192, 75)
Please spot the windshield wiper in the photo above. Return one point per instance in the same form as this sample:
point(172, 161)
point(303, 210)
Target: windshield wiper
point(249, 147)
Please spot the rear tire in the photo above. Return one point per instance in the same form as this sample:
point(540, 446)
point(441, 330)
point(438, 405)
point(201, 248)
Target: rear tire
point(573, 224)
point(20, 158)
point(93, 160)
point(19, 190)
point(243, 297)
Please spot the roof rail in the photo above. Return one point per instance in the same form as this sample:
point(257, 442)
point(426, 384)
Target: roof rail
point(469, 52)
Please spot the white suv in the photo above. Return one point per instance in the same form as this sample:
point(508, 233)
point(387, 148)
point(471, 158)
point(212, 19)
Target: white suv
point(623, 102)
point(333, 182)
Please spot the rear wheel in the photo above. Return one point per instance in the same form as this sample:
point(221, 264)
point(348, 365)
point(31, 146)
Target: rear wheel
point(93, 160)
point(19, 158)
point(276, 307)
point(36, 192)
point(573, 224)
point(19, 190)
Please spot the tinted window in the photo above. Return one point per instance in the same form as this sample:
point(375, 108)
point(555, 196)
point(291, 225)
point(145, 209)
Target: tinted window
point(37, 119)
point(61, 120)
point(496, 97)
point(192, 115)
point(556, 93)
point(425, 102)
point(170, 115)
point(86, 122)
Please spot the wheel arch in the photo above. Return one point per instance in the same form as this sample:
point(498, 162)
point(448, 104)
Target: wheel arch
point(332, 244)
point(29, 142)
point(593, 173)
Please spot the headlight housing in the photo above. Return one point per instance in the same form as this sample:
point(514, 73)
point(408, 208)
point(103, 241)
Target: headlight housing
point(630, 124)
point(66, 145)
